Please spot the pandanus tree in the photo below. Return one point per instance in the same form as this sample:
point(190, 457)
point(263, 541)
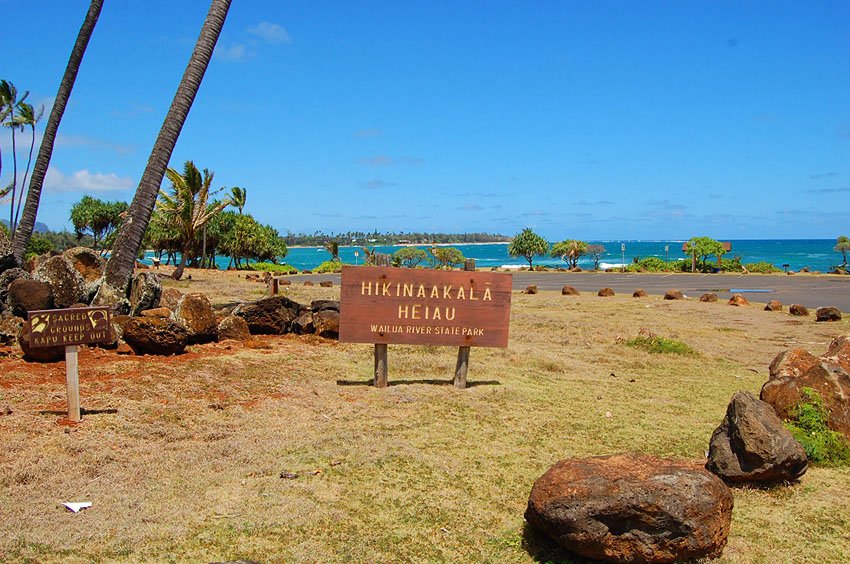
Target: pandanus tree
point(45, 151)
point(129, 240)
point(187, 205)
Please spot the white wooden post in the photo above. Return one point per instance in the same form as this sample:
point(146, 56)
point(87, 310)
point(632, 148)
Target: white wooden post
point(72, 383)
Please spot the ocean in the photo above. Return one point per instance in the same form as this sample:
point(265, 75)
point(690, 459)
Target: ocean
point(815, 254)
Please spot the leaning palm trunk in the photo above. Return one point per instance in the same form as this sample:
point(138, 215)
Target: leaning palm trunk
point(129, 239)
point(45, 150)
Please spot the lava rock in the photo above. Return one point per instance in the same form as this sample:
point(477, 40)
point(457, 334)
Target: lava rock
point(233, 327)
point(569, 291)
point(708, 297)
point(155, 335)
point(145, 292)
point(773, 305)
point(632, 508)
point(269, 316)
point(68, 285)
point(195, 313)
point(29, 295)
point(605, 293)
point(798, 310)
point(752, 446)
point(827, 314)
point(674, 295)
point(738, 300)
point(639, 293)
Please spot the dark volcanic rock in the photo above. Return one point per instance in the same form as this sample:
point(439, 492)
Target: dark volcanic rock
point(829, 375)
point(632, 508)
point(319, 305)
point(674, 295)
point(569, 291)
point(532, 289)
point(605, 293)
point(326, 323)
point(6, 279)
point(195, 313)
point(68, 285)
point(145, 292)
point(155, 335)
point(111, 297)
point(827, 314)
point(269, 316)
point(29, 295)
point(38, 354)
point(708, 297)
point(10, 328)
point(170, 297)
point(303, 324)
point(752, 446)
point(639, 293)
point(233, 327)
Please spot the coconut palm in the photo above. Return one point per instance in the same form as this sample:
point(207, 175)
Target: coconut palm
point(237, 197)
point(842, 245)
point(333, 248)
point(9, 97)
point(45, 150)
point(27, 116)
point(188, 206)
point(129, 240)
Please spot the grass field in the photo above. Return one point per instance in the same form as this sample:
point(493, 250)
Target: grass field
point(279, 450)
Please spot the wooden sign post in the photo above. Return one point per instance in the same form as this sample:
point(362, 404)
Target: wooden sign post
point(69, 328)
point(386, 305)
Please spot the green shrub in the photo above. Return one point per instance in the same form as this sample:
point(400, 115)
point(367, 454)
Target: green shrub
point(761, 267)
point(38, 245)
point(808, 425)
point(329, 266)
point(659, 345)
point(271, 267)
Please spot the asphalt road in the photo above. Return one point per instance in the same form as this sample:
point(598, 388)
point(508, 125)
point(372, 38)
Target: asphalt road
point(809, 290)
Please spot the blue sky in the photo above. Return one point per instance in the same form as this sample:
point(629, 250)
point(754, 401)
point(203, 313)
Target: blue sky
point(590, 120)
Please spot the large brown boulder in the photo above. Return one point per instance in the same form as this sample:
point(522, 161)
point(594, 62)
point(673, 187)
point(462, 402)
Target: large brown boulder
point(170, 297)
point(29, 295)
point(326, 323)
point(233, 327)
point(111, 297)
point(195, 313)
point(674, 295)
point(569, 291)
point(69, 287)
point(827, 314)
point(10, 328)
point(89, 264)
point(269, 316)
point(605, 293)
point(154, 335)
point(632, 508)
point(303, 324)
point(829, 375)
point(145, 292)
point(6, 278)
point(38, 354)
point(752, 446)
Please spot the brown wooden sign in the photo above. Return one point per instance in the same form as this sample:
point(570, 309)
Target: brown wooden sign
point(66, 327)
point(424, 307)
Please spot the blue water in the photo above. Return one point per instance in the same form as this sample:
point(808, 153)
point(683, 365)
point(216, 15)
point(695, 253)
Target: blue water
point(816, 254)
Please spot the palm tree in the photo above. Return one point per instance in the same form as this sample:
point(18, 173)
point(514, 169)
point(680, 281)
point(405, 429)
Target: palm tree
point(27, 116)
point(842, 245)
point(188, 208)
point(129, 240)
point(45, 150)
point(237, 197)
point(9, 96)
point(333, 248)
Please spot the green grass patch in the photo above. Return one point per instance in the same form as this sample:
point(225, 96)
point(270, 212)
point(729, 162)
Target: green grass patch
point(808, 425)
point(271, 267)
point(659, 345)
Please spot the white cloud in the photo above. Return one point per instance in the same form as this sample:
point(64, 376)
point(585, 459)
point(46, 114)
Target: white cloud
point(233, 53)
point(85, 181)
point(270, 32)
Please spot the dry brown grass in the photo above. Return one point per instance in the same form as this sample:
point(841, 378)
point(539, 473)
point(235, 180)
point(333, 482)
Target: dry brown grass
point(188, 467)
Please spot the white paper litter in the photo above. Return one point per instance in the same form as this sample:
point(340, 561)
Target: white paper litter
point(77, 506)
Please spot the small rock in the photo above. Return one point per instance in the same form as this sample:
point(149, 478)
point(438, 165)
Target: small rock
point(233, 327)
point(605, 293)
point(738, 300)
point(569, 291)
point(827, 314)
point(773, 305)
point(639, 293)
point(532, 289)
point(308, 283)
point(288, 475)
point(674, 295)
point(708, 297)
point(326, 284)
point(798, 310)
